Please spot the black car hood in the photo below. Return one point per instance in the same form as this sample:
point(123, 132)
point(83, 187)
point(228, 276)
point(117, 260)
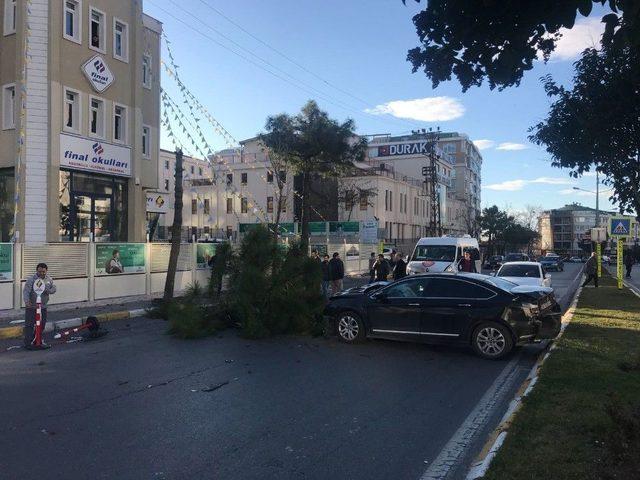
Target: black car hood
point(361, 290)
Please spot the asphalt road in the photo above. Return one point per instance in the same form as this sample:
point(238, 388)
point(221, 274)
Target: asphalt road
point(139, 404)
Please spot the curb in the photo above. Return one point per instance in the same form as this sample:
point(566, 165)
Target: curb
point(496, 439)
point(16, 331)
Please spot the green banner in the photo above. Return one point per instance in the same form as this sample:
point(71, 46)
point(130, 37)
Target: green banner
point(6, 261)
point(317, 228)
point(204, 252)
point(344, 227)
point(114, 258)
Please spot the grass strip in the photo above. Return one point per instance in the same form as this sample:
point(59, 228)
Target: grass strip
point(582, 420)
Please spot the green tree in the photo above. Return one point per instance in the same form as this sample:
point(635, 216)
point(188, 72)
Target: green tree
point(500, 40)
point(596, 123)
point(313, 144)
point(493, 223)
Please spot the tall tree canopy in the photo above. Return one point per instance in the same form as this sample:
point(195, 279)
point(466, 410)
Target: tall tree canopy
point(597, 122)
point(498, 40)
point(313, 144)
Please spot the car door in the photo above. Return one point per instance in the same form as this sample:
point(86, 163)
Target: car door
point(452, 305)
point(396, 310)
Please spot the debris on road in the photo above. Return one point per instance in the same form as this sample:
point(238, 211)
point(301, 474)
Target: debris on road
point(215, 387)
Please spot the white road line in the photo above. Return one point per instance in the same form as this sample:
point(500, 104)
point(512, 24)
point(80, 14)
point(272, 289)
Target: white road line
point(455, 449)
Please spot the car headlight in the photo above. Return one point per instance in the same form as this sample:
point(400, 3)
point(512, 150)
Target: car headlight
point(530, 309)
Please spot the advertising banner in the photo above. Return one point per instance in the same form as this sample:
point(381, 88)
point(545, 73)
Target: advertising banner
point(98, 73)
point(352, 251)
point(369, 231)
point(341, 228)
point(318, 228)
point(6, 261)
point(114, 258)
point(94, 155)
point(157, 202)
point(204, 252)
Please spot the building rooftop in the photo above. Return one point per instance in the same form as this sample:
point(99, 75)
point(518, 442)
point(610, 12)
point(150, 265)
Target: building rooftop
point(576, 207)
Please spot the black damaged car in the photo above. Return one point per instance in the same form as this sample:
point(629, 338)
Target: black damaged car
point(490, 314)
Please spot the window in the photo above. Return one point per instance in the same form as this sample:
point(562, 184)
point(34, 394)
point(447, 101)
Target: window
point(9, 106)
point(450, 288)
point(71, 19)
point(193, 169)
point(229, 178)
point(283, 176)
point(405, 203)
point(244, 203)
point(97, 21)
point(408, 289)
point(71, 110)
point(166, 164)
point(386, 200)
point(120, 40)
point(146, 138)
point(207, 206)
point(269, 177)
point(200, 171)
point(269, 204)
point(96, 117)
point(364, 201)
point(390, 201)
point(146, 71)
point(243, 178)
point(166, 184)
point(9, 17)
point(283, 204)
point(194, 206)
point(229, 205)
point(119, 123)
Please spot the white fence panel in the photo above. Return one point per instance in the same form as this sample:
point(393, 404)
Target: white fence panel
point(65, 260)
point(160, 257)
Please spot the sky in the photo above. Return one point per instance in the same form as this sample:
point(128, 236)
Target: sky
point(247, 60)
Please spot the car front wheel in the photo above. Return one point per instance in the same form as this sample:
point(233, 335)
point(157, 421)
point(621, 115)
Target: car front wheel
point(350, 327)
point(492, 341)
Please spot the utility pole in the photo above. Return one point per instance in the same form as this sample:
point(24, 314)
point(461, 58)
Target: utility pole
point(430, 173)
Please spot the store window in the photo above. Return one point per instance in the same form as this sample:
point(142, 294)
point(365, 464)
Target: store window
point(72, 25)
point(146, 71)
point(96, 117)
point(92, 207)
point(71, 110)
point(146, 138)
point(97, 21)
point(119, 123)
point(7, 203)
point(10, 13)
point(9, 106)
point(120, 40)
point(244, 204)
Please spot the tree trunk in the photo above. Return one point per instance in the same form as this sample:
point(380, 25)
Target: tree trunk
point(278, 211)
point(306, 211)
point(176, 230)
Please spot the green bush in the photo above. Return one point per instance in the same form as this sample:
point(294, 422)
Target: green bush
point(188, 320)
point(193, 290)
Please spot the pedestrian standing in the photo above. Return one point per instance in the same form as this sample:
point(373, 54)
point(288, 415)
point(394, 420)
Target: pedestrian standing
point(629, 261)
point(315, 256)
point(30, 298)
point(400, 268)
point(336, 273)
point(372, 272)
point(591, 270)
point(381, 268)
point(325, 276)
point(466, 264)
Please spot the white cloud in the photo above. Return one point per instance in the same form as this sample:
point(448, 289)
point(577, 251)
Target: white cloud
point(584, 34)
point(589, 174)
point(511, 146)
point(430, 109)
point(519, 184)
point(484, 144)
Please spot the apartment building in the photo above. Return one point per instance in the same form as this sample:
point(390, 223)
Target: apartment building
point(80, 132)
point(567, 230)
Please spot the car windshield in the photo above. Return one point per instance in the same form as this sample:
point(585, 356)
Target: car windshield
point(514, 257)
point(519, 271)
point(549, 259)
point(434, 253)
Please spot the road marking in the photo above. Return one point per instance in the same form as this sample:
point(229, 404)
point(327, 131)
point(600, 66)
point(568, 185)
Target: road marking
point(455, 449)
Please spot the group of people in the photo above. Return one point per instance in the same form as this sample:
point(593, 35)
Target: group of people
point(380, 268)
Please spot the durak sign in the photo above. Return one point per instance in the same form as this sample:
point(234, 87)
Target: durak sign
point(98, 73)
point(419, 148)
point(94, 156)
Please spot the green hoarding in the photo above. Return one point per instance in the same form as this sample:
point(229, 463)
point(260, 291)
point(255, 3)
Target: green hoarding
point(6, 261)
point(344, 227)
point(204, 251)
point(317, 228)
point(114, 258)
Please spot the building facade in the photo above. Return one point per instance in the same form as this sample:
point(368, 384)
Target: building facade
point(80, 130)
point(567, 230)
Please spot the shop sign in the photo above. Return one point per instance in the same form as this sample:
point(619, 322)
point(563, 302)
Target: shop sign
point(204, 253)
point(6, 261)
point(418, 148)
point(98, 73)
point(157, 202)
point(114, 258)
point(94, 156)
point(339, 228)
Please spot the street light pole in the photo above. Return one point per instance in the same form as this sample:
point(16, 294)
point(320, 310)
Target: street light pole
point(597, 199)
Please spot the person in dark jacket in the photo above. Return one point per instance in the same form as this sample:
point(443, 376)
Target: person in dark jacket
point(629, 261)
point(336, 273)
point(372, 272)
point(381, 269)
point(466, 264)
point(400, 268)
point(591, 270)
point(325, 276)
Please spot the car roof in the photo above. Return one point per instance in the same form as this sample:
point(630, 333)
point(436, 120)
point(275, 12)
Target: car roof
point(522, 263)
point(448, 241)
